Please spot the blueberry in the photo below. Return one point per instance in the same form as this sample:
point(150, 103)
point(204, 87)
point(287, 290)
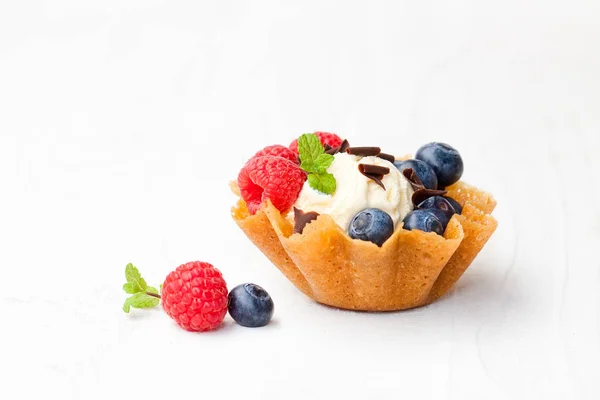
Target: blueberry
point(455, 204)
point(423, 220)
point(440, 207)
point(373, 225)
point(442, 216)
point(423, 171)
point(439, 203)
point(250, 305)
point(444, 160)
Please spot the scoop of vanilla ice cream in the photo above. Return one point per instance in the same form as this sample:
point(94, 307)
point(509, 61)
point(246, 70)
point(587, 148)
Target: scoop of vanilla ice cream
point(355, 192)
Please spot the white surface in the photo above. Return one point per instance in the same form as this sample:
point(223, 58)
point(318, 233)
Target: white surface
point(113, 114)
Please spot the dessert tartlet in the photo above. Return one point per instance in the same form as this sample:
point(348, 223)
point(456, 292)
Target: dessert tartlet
point(355, 228)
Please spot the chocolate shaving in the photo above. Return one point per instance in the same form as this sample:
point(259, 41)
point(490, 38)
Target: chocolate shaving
point(339, 149)
point(344, 146)
point(421, 192)
point(364, 151)
point(301, 219)
point(387, 157)
point(374, 172)
point(373, 169)
point(420, 196)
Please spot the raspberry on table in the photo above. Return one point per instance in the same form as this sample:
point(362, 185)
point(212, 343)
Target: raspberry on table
point(273, 178)
point(195, 296)
point(278, 151)
point(326, 138)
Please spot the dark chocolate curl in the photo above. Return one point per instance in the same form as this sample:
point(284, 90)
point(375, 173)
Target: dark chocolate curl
point(340, 149)
point(344, 146)
point(421, 192)
point(364, 151)
point(387, 157)
point(301, 219)
point(373, 169)
point(374, 172)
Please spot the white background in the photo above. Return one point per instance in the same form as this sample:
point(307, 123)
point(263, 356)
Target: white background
point(121, 123)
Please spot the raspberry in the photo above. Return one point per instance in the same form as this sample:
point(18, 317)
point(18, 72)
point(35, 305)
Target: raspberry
point(278, 151)
point(273, 178)
point(330, 139)
point(195, 296)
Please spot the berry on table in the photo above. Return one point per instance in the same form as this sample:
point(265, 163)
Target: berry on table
point(250, 305)
point(423, 220)
point(273, 178)
point(445, 161)
point(373, 225)
point(422, 169)
point(195, 296)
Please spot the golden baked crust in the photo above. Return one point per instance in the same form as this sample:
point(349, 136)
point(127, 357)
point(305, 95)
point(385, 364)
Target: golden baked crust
point(411, 269)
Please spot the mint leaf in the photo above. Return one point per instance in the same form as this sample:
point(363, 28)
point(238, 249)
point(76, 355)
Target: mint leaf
point(126, 306)
point(324, 183)
point(307, 165)
point(315, 162)
point(322, 163)
point(143, 300)
point(309, 148)
point(133, 276)
point(160, 287)
point(131, 288)
point(144, 296)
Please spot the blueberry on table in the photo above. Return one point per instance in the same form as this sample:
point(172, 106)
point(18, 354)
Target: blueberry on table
point(373, 225)
point(455, 204)
point(250, 305)
point(423, 220)
point(445, 161)
point(423, 171)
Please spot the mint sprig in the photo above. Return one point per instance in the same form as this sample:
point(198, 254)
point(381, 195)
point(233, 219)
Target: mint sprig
point(315, 162)
point(144, 296)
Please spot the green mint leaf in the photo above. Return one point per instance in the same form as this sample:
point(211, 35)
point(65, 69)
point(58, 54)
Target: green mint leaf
point(324, 183)
point(131, 288)
point(151, 289)
point(307, 165)
point(315, 161)
point(143, 300)
point(322, 162)
point(160, 287)
point(126, 306)
point(309, 148)
point(133, 276)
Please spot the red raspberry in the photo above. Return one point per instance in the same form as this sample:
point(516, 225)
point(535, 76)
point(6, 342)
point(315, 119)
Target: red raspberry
point(195, 296)
point(273, 178)
point(331, 139)
point(278, 151)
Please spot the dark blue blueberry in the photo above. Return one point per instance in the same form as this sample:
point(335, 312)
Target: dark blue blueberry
point(444, 160)
point(423, 220)
point(438, 203)
point(441, 207)
point(442, 216)
point(373, 225)
point(423, 171)
point(250, 305)
point(455, 204)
